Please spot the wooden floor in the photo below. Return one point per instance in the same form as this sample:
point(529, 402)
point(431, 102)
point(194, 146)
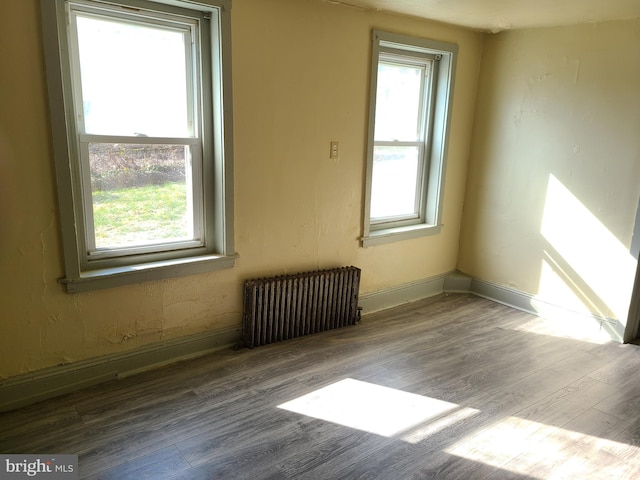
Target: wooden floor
point(451, 387)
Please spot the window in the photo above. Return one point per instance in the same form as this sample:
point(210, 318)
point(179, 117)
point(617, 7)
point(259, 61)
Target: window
point(411, 85)
point(141, 120)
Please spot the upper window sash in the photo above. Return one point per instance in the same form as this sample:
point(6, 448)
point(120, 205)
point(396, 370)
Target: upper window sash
point(423, 66)
point(103, 17)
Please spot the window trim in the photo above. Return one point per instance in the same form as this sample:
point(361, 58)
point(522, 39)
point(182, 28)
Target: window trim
point(435, 143)
point(219, 252)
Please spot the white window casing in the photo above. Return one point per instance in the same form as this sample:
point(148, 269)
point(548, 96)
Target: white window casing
point(388, 217)
point(206, 140)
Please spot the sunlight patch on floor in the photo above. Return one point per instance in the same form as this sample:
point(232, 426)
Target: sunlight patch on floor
point(430, 428)
point(524, 446)
point(561, 323)
point(380, 410)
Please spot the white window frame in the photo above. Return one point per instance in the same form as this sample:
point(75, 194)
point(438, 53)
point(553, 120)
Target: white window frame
point(436, 99)
point(211, 148)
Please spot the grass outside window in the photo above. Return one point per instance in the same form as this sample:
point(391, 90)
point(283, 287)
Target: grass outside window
point(138, 215)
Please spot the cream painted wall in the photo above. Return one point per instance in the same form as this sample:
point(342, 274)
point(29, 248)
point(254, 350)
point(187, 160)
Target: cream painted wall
point(301, 80)
point(554, 175)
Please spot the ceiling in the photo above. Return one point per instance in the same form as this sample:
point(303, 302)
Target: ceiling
point(498, 15)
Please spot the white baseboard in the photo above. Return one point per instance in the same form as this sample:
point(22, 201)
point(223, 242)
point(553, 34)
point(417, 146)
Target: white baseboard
point(50, 382)
point(457, 282)
point(401, 294)
point(533, 304)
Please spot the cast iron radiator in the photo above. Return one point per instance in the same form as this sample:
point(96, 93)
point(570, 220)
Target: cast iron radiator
point(289, 306)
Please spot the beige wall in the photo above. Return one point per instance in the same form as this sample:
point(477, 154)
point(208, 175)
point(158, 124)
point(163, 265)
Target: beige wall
point(554, 175)
point(301, 80)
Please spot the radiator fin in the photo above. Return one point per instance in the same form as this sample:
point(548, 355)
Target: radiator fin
point(289, 306)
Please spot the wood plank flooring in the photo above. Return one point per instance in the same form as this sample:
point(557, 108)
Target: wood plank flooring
point(485, 391)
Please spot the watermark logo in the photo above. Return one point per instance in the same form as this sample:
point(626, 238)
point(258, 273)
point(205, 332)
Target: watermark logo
point(49, 467)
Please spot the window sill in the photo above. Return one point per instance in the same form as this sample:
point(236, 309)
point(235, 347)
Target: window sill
point(389, 235)
point(131, 274)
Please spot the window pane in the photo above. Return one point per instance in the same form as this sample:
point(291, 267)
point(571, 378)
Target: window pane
point(134, 79)
point(398, 102)
point(394, 181)
point(139, 194)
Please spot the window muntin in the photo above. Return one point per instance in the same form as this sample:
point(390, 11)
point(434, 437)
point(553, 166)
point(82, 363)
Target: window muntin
point(177, 69)
point(411, 84)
